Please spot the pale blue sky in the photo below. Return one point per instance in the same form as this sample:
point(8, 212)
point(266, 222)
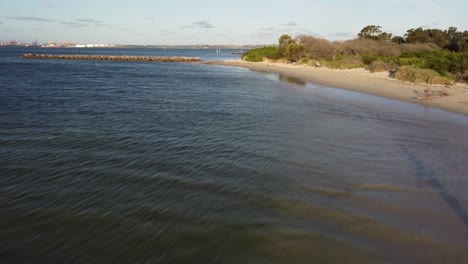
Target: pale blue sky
point(217, 22)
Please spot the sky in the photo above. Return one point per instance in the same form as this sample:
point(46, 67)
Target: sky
point(239, 22)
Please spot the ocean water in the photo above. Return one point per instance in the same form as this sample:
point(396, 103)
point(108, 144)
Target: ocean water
point(136, 162)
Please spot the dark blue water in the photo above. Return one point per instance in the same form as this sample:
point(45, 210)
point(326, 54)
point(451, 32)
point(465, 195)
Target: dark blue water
point(114, 161)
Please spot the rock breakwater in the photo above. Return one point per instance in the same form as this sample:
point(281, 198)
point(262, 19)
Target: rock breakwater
point(110, 57)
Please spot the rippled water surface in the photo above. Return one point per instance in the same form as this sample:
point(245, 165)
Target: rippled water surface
point(105, 161)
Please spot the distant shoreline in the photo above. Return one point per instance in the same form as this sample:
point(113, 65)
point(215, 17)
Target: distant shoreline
point(361, 80)
point(118, 46)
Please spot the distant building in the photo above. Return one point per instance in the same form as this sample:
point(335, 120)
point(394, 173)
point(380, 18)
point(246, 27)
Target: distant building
point(93, 45)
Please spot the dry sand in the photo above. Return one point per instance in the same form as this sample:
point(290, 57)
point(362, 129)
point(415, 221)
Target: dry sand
point(361, 80)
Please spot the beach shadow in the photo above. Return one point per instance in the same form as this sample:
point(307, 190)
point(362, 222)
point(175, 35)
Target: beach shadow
point(290, 79)
point(282, 78)
point(426, 174)
point(392, 73)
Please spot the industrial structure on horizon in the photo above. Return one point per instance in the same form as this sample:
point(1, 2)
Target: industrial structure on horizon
point(52, 44)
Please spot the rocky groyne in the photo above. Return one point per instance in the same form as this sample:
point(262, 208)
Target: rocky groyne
point(110, 57)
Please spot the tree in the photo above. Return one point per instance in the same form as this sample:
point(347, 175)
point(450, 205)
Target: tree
point(295, 52)
point(398, 40)
point(283, 42)
point(385, 36)
point(463, 43)
point(418, 35)
point(375, 33)
point(455, 38)
point(438, 37)
point(370, 32)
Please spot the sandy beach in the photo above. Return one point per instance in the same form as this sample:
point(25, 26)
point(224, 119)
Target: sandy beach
point(453, 98)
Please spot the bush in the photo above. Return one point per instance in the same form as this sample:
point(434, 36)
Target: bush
point(368, 59)
point(295, 52)
point(441, 61)
point(416, 62)
point(364, 46)
point(256, 55)
point(320, 49)
point(381, 66)
point(417, 75)
point(347, 62)
point(462, 77)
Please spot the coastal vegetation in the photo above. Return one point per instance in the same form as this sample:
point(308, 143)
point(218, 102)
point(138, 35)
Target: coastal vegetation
point(259, 54)
point(421, 55)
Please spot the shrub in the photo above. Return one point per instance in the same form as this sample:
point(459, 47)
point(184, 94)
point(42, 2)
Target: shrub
point(295, 52)
point(259, 54)
point(364, 46)
point(368, 59)
point(416, 62)
point(347, 62)
point(462, 77)
point(380, 66)
point(320, 49)
point(417, 75)
point(441, 61)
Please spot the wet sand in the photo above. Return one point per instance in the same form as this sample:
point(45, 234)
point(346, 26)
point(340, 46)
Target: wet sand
point(361, 80)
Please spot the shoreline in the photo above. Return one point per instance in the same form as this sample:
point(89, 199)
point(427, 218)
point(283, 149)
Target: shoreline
point(361, 80)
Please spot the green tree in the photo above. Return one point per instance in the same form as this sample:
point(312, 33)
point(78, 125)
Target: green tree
point(438, 37)
point(283, 43)
point(370, 32)
point(463, 43)
point(455, 39)
point(418, 35)
point(385, 36)
point(295, 52)
point(398, 40)
point(375, 33)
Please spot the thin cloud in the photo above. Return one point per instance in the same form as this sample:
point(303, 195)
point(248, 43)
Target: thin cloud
point(267, 29)
point(49, 5)
point(343, 34)
point(289, 24)
point(200, 24)
point(425, 3)
point(127, 29)
point(203, 24)
point(318, 35)
point(150, 18)
point(87, 20)
point(83, 22)
point(430, 25)
point(100, 25)
point(267, 34)
point(31, 18)
point(1, 22)
point(305, 30)
point(167, 32)
point(421, 4)
point(74, 24)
